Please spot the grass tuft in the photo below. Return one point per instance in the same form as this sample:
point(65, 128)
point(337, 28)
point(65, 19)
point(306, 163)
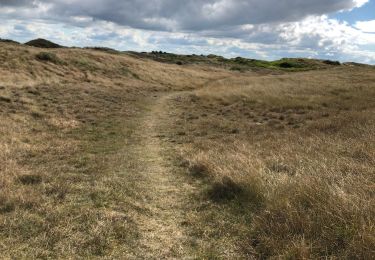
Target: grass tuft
point(30, 179)
point(48, 57)
point(225, 190)
point(198, 170)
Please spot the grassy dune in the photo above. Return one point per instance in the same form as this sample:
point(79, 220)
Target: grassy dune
point(278, 163)
point(293, 155)
point(63, 124)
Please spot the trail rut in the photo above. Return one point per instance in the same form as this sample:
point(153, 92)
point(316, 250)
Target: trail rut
point(165, 191)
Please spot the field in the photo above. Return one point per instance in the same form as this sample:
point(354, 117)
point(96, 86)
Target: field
point(117, 155)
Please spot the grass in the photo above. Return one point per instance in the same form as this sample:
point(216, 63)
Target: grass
point(293, 155)
point(57, 189)
point(49, 57)
point(239, 64)
point(65, 190)
point(280, 163)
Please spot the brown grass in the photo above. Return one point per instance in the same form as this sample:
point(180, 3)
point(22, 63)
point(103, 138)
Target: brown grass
point(62, 131)
point(298, 154)
point(283, 162)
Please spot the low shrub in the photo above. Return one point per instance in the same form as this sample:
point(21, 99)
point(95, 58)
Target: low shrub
point(330, 62)
point(49, 57)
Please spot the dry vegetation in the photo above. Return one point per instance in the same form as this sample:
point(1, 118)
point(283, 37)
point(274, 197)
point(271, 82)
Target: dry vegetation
point(282, 163)
point(294, 156)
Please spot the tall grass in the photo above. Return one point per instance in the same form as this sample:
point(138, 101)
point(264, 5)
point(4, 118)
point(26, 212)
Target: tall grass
point(308, 190)
point(287, 160)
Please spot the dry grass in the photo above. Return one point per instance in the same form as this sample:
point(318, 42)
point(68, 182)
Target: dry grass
point(292, 156)
point(63, 129)
point(286, 161)
point(52, 173)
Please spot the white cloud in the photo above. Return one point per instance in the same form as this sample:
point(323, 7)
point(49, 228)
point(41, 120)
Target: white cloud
point(366, 26)
point(266, 29)
point(172, 15)
point(359, 3)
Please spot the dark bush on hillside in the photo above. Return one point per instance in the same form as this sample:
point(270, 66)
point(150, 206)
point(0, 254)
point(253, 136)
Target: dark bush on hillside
point(49, 57)
point(158, 52)
point(286, 65)
point(291, 64)
point(213, 56)
point(240, 60)
point(330, 62)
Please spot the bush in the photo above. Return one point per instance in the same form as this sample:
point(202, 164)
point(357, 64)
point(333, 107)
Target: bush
point(286, 65)
point(49, 57)
point(292, 64)
point(330, 62)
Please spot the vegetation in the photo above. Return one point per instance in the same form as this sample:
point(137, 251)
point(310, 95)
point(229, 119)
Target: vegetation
point(49, 57)
point(42, 43)
point(134, 156)
point(291, 157)
point(239, 63)
point(8, 41)
point(104, 49)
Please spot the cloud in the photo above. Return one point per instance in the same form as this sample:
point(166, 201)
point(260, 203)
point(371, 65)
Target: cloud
point(16, 3)
point(359, 3)
point(267, 29)
point(171, 15)
point(366, 26)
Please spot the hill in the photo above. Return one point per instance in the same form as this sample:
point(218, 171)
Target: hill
point(118, 155)
point(42, 43)
point(239, 63)
point(8, 41)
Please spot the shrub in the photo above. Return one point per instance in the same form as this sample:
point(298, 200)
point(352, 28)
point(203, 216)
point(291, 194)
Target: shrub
point(49, 57)
point(330, 62)
point(286, 65)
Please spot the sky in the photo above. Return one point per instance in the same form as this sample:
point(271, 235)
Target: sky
point(341, 30)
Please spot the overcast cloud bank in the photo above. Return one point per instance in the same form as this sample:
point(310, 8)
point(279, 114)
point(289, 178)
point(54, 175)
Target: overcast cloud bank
point(265, 29)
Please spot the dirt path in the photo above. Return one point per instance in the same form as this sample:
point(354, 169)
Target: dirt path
point(165, 191)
